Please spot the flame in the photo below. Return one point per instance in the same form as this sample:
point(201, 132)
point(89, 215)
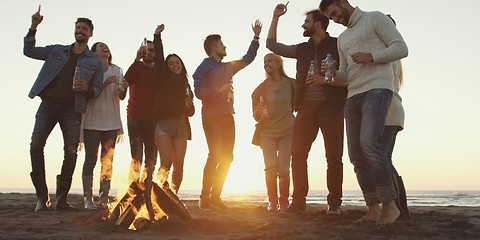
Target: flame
point(142, 214)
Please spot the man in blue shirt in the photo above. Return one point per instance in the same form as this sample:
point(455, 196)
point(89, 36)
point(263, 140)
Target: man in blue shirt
point(213, 85)
point(63, 102)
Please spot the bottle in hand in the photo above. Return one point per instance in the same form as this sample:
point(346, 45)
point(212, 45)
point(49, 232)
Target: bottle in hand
point(76, 76)
point(144, 47)
point(330, 68)
point(265, 111)
point(230, 95)
point(120, 80)
point(311, 69)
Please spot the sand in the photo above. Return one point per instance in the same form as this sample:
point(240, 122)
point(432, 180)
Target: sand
point(241, 221)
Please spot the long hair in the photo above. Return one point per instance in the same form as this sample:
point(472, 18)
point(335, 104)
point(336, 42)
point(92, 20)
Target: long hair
point(94, 48)
point(400, 76)
point(280, 61)
point(183, 73)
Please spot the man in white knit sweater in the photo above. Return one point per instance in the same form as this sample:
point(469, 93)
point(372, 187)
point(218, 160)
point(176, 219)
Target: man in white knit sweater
point(366, 50)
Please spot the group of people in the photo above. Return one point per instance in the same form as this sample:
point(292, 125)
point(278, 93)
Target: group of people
point(367, 78)
point(88, 111)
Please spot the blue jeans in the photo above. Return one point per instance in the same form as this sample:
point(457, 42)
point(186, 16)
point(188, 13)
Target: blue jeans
point(365, 115)
point(388, 138)
point(48, 115)
point(92, 139)
point(277, 155)
point(141, 133)
point(220, 134)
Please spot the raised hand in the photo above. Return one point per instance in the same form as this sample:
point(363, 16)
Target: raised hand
point(36, 19)
point(280, 9)
point(257, 28)
point(159, 29)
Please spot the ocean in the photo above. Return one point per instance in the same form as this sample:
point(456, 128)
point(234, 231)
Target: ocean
point(350, 197)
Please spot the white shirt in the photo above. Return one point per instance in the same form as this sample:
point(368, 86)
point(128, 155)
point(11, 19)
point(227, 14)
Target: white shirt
point(103, 113)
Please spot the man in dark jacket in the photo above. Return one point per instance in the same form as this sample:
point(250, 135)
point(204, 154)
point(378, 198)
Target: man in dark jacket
point(318, 105)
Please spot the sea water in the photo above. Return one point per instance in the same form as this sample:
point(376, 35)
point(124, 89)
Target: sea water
point(355, 198)
point(350, 197)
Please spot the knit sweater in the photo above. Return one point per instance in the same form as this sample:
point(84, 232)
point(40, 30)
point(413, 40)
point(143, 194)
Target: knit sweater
point(103, 113)
point(375, 33)
point(396, 114)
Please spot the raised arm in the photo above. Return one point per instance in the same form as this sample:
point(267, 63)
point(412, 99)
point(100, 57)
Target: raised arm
point(36, 19)
point(272, 44)
point(252, 50)
point(159, 57)
point(29, 48)
point(279, 10)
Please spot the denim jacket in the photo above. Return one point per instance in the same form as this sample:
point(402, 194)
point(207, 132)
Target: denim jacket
point(55, 57)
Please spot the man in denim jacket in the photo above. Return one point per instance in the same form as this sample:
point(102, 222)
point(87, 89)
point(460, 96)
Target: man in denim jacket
point(60, 103)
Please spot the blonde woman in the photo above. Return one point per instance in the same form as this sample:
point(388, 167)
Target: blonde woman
point(272, 103)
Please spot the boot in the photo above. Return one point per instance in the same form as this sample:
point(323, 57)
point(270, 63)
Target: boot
point(207, 183)
point(103, 192)
point(272, 195)
point(43, 200)
point(402, 196)
point(284, 186)
point(87, 192)
point(63, 186)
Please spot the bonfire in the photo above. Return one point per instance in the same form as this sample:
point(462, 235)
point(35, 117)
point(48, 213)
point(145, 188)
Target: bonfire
point(140, 207)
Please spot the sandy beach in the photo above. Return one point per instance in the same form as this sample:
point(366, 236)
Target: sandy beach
point(242, 220)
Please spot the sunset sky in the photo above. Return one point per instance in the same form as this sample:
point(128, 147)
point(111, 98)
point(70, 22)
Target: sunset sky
point(438, 150)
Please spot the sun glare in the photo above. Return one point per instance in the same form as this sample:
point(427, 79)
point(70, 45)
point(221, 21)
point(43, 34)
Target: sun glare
point(242, 180)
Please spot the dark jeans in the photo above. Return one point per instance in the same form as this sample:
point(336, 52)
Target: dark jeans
point(311, 117)
point(48, 115)
point(141, 133)
point(388, 138)
point(220, 134)
point(365, 115)
point(92, 139)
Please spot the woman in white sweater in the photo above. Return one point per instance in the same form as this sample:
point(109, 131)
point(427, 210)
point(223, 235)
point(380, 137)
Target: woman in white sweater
point(101, 124)
point(394, 124)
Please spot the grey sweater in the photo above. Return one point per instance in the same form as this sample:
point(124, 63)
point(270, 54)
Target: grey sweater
point(369, 32)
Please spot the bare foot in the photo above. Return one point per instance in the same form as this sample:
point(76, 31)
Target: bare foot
point(390, 213)
point(373, 214)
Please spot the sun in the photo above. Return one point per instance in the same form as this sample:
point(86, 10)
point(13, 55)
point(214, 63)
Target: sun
point(244, 178)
